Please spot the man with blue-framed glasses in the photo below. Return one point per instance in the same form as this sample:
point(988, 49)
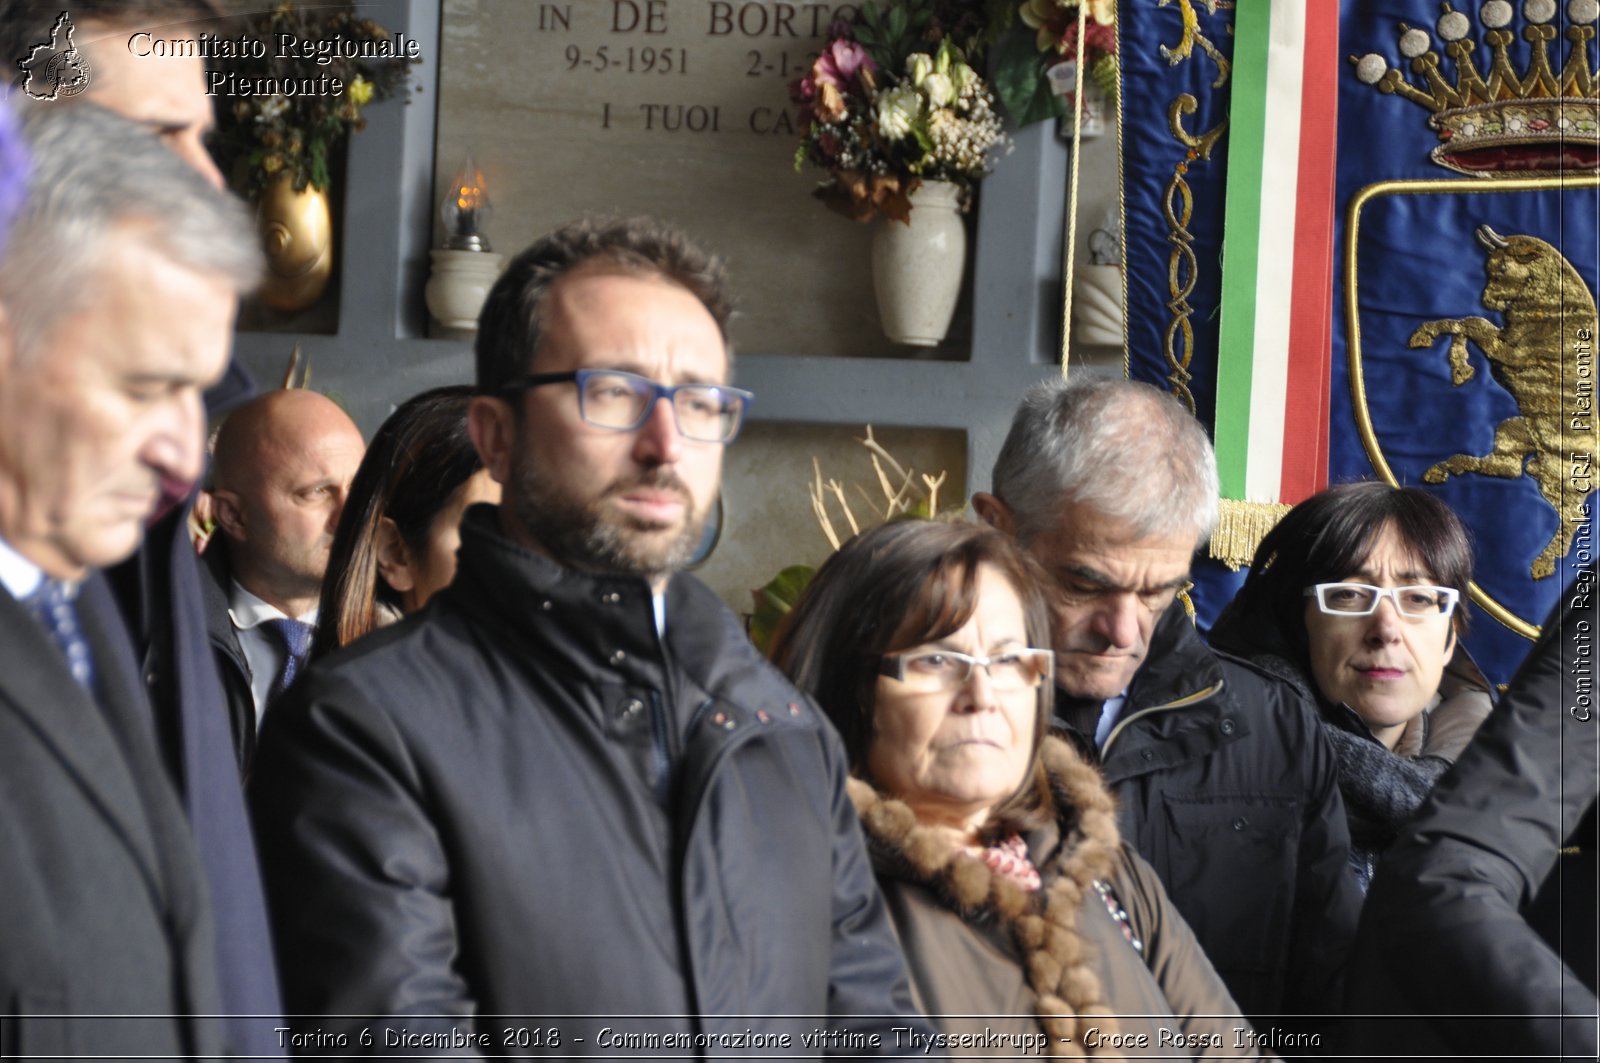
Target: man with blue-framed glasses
point(611, 452)
point(571, 786)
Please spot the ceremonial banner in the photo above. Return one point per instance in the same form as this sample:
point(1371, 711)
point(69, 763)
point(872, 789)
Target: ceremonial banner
point(1174, 59)
point(1463, 355)
point(1273, 350)
point(1174, 62)
point(1227, 142)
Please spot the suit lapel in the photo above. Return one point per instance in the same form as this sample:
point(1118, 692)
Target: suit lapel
point(127, 710)
point(36, 685)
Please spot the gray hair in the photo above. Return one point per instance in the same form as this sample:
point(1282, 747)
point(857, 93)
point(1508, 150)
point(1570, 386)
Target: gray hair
point(1123, 449)
point(92, 173)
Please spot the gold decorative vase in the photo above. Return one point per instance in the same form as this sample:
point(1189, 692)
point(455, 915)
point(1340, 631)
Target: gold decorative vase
point(297, 236)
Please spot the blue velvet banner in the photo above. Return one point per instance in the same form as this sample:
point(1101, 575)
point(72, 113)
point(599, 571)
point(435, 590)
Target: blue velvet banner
point(1174, 150)
point(1174, 164)
point(1466, 321)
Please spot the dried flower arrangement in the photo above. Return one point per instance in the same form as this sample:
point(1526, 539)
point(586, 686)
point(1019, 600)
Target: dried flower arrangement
point(278, 127)
point(901, 497)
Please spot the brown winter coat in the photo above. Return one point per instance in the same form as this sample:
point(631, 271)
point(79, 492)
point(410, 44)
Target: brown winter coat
point(988, 958)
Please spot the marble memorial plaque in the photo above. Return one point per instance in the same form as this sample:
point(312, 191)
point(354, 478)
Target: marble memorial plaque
point(675, 108)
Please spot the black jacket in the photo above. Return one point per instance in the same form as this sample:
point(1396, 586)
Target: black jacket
point(162, 592)
point(1443, 933)
point(216, 580)
point(1227, 786)
point(523, 801)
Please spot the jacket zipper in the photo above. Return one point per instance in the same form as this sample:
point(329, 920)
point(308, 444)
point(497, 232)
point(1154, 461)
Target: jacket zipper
point(663, 730)
point(694, 721)
point(661, 738)
point(1180, 703)
point(683, 827)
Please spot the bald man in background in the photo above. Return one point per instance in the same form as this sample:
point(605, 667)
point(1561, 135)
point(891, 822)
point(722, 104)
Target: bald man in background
point(280, 473)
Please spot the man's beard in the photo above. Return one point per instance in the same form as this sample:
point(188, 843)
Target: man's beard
point(583, 534)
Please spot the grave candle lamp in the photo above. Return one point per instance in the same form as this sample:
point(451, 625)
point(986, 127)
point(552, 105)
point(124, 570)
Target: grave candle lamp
point(465, 210)
point(464, 269)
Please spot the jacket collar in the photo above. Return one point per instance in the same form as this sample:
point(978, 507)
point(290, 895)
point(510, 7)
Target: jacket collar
point(215, 580)
point(1061, 970)
point(523, 593)
point(610, 618)
point(1178, 665)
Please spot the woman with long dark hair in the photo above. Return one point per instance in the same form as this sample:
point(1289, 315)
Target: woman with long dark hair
point(397, 538)
point(1358, 596)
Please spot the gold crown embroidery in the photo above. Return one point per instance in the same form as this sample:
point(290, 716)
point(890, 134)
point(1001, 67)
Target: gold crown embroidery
point(1497, 121)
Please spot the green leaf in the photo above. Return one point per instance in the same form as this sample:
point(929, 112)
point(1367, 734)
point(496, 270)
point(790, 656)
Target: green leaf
point(1016, 73)
point(774, 601)
point(1104, 72)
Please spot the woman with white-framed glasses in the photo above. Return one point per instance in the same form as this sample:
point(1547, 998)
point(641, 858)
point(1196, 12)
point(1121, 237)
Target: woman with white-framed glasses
point(1358, 595)
point(1028, 926)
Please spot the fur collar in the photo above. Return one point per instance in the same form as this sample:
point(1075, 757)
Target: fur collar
point(1058, 963)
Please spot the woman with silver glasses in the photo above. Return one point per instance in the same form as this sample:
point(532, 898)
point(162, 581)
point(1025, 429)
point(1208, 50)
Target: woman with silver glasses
point(1029, 929)
point(1358, 595)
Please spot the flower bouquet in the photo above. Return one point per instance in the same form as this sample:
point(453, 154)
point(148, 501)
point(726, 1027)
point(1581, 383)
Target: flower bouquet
point(1047, 38)
point(885, 109)
point(1057, 24)
point(293, 132)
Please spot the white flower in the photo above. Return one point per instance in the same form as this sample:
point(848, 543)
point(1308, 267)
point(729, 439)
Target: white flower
point(962, 76)
point(939, 90)
point(272, 107)
point(918, 66)
point(897, 110)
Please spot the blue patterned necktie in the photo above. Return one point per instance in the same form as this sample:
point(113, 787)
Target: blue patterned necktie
point(52, 605)
point(296, 638)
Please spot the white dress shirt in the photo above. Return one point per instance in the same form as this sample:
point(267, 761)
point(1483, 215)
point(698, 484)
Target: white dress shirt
point(20, 576)
point(1108, 718)
point(264, 652)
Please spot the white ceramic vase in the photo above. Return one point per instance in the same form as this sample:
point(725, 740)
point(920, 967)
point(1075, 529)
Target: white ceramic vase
point(916, 268)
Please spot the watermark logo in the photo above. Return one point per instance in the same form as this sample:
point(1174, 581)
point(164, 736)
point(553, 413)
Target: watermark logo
point(55, 68)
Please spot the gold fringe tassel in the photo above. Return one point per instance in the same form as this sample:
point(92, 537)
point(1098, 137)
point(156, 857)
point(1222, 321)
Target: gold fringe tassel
point(1240, 528)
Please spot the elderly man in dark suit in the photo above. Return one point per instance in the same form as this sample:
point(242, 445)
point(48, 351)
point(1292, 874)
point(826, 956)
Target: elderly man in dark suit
point(118, 285)
point(159, 587)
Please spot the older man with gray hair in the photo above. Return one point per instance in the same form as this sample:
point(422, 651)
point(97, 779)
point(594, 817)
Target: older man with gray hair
point(1222, 776)
point(118, 286)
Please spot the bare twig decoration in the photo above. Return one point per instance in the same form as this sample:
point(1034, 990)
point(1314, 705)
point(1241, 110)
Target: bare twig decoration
point(896, 501)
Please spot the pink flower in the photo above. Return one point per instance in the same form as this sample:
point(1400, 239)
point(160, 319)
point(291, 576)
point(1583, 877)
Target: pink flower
point(802, 91)
point(838, 63)
point(1098, 40)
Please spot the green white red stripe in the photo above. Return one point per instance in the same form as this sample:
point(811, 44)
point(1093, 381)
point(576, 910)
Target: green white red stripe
point(1271, 428)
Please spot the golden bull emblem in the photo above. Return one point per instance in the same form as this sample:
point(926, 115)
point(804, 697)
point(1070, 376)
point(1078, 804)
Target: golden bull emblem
point(1544, 356)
